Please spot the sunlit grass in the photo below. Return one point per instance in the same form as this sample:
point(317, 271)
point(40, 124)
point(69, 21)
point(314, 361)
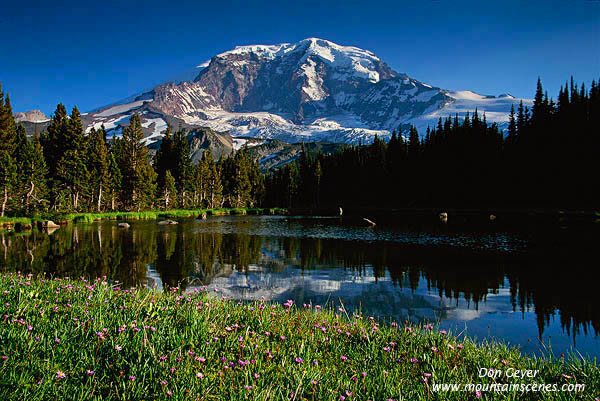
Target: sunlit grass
point(74, 339)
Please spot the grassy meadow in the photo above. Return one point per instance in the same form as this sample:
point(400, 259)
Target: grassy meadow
point(92, 340)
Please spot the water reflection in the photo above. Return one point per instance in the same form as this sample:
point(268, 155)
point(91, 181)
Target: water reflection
point(512, 294)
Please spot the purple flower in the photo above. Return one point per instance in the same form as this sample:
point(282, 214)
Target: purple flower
point(132, 378)
point(90, 372)
point(199, 375)
point(344, 358)
point(60, 375)
point(298, 360)
point(57, 340)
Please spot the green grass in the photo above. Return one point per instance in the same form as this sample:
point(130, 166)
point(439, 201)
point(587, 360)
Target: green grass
point(5, 221)
point(131, 344)
point(143, 215)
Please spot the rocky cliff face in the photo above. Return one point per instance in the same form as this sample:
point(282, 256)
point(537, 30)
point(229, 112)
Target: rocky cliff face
point(33, 116)
point(310, 91)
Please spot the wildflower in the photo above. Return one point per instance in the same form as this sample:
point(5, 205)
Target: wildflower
point(342, 398)
point(163, 383)
point(90, 372)
point(118, 348)
point(460, 346)
point(434, 349)
point(256, 375)
point(566, 376)
point(248, 387)
point(298, 360)
point(444, 332)
point(132, 378)
point(29, 328)
point(199, 375)
point(414, 360)
point(314, 382)
point(505, 362)
point(60, 375)
point(364, 374)
point(57, 340)
point(169, 393)
point(344, 358)
point(282, 338)
point(386, 349)
point(478, 394)
point(354, 379)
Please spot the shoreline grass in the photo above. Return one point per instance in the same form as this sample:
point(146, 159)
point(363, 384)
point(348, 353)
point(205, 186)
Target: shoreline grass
point(66, 218)
point(91, 340)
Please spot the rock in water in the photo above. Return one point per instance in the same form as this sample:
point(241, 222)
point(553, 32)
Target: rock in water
point(49, 224)
point(167, 222)
point(123, 225)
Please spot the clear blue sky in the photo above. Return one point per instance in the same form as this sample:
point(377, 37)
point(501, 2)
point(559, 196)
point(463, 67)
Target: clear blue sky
point(92, 55)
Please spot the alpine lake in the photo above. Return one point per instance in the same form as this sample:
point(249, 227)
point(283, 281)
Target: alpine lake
point(529, 285)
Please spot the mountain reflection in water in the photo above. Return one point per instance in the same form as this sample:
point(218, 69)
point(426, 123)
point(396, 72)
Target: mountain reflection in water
point(494, 283)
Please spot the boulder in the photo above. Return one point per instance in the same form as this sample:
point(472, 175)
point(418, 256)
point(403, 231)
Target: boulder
point(49, 224)
point(123, 225)
point(167, 222)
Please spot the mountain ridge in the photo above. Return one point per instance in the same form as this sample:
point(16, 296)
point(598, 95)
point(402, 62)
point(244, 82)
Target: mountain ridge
point(313, 90)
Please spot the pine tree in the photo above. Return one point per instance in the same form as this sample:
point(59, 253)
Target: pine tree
point(8, 179)
point(511, 138)
point(98, 166)
point(183, 168)
point(169, 191)
point(115, 179)
point(72, 174)
point(7, 125)
point(200, 182)
point(215, 186)
point(137, 182)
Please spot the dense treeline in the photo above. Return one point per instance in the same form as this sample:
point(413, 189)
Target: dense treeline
point(548, 158)
point(66, 170)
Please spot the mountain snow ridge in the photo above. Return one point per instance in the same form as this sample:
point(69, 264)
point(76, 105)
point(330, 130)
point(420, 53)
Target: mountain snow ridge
point(311, 90)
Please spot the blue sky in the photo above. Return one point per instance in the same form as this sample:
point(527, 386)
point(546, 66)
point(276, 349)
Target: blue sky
point(92, 55)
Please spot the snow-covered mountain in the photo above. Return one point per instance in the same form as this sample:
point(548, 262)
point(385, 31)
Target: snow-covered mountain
point(309, 91)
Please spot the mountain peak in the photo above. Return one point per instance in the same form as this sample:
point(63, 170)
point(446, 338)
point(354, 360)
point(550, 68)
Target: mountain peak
point(310, 90)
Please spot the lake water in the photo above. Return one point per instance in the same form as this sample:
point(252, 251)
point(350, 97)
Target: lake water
point(491, 281)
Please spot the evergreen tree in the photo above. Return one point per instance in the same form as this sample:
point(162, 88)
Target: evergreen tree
point(98, 166)
point(169, 192)
point(215, 186)
point(138, 183)
point(8, 180)
point(114, 180)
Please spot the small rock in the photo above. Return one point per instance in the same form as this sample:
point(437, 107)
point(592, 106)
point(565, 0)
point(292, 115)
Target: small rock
point(443, 217)
point(123, 225)
point(166, 222)
point(49, 224)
